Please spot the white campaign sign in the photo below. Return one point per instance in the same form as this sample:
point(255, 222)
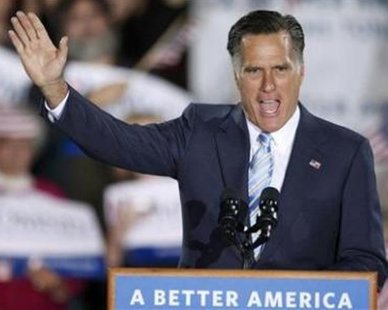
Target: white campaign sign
point(39, 225)
point(155, 205)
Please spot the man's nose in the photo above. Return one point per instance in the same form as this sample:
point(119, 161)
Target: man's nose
point(268, 83)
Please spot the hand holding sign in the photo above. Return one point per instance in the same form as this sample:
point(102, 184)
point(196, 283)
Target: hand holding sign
point(49, 282)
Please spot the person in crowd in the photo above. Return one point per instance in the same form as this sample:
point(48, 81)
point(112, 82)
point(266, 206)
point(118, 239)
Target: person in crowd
point(329, 215)
point(21, 133)
point(88, 25)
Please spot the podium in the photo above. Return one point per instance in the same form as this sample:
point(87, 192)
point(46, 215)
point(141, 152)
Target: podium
point(132, 288)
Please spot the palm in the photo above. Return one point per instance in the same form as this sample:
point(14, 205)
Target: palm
point(43, 62)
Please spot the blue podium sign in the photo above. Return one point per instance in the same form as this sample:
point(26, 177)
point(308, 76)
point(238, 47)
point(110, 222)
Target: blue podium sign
point(240, 289)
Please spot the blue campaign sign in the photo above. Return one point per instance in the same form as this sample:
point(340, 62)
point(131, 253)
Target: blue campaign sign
point(211, 289)
point(87, 267)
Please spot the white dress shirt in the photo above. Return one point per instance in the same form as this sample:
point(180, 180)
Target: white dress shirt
point(55, 114)
point(281, 146)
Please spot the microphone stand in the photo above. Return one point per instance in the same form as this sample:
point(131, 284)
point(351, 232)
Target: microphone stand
point(243, 245)
point(264, 226)
point(246, 254)
point(245, 248)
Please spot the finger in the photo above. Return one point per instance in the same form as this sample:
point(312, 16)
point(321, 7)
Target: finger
point(38, 26)
point(16, 41)
point(63, 49)
point(27, 25)
point(20, 31)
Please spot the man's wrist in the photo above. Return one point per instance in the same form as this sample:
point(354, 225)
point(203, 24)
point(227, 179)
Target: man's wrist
point(54, 93)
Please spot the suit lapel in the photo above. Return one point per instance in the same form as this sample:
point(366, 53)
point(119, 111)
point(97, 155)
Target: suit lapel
point(303, 168)
point(232, 140)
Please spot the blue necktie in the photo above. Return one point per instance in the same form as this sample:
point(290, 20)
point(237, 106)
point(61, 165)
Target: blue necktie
point(260, 174)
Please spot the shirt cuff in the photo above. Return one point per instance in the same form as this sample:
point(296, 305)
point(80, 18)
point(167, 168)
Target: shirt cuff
point(56, 113)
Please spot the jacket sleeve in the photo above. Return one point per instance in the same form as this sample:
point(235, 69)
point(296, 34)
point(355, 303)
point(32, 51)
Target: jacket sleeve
point(152, 149)
point(361, 242)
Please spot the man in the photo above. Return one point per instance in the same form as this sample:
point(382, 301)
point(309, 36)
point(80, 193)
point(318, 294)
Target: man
point(329, 214)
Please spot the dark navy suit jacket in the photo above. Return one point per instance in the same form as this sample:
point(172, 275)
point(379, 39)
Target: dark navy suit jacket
point(329, 217)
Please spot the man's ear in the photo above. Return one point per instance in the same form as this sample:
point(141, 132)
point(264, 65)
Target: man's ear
point(302, 72)
point(236, 78)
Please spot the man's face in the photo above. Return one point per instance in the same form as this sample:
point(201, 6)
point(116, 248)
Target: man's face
point(16, 156)
point(268, 77)
point(85, 21)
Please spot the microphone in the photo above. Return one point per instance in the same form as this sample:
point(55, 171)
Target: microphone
point(225, 233)
point(267, 218)
point(232, 214)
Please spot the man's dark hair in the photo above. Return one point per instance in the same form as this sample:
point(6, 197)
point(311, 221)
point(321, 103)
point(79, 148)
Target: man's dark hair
point(266, 22)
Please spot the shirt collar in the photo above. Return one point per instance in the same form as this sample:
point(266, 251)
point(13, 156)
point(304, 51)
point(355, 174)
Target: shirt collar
point(282, 138)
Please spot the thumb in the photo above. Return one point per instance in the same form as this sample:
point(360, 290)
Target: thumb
point(63, 49)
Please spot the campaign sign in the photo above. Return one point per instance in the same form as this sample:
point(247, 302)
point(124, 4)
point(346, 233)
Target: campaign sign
point(37, 229)
point(238, 289)
point(151, 226)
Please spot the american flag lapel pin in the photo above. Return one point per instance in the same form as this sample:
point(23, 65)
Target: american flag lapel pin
point(315, 164)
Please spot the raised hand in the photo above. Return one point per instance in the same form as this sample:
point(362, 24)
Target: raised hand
point(43, 61)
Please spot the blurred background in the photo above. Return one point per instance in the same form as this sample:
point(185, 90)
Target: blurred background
point(144, 61)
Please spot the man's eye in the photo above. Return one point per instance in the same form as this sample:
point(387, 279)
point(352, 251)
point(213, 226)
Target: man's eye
point(252, 70)
point(281, 68)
